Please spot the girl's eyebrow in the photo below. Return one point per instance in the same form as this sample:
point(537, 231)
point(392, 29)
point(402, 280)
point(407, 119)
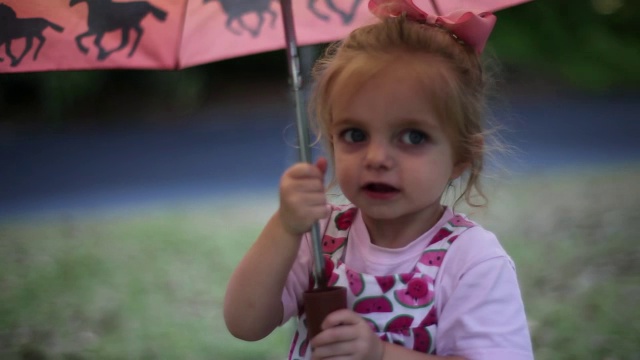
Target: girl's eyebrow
point(342, 122)
point(425, 124)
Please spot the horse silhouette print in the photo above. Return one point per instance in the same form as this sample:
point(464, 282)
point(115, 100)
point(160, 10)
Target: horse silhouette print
point(236, 11)
point(13, 28)
point(346, 16)
point(107, 16)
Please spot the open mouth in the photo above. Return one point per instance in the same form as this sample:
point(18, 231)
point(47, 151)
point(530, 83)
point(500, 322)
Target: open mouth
point(380, 188)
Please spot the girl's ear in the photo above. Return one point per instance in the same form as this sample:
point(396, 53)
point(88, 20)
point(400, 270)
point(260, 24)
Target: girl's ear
point(474, 151)
point(459, 169)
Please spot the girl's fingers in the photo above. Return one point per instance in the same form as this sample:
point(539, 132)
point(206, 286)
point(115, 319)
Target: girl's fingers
point(338, 334)
point(305, 170)
point(342, 325)
point(341, 317)
point(298, 182)
point(300, 211)
point(307, 185)
point(322, 165)
point(345, 333)
point(303, 196)
point(340, 350)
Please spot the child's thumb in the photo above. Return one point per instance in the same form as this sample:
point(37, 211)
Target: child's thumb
point(322, 164)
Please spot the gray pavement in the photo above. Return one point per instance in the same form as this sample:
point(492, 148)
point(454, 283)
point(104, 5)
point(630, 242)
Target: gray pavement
point(243, 146)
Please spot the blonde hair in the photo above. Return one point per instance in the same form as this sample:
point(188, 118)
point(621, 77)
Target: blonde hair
point(459, 97)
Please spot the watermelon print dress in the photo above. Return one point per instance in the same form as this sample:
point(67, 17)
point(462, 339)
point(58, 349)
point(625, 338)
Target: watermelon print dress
point(399, 308)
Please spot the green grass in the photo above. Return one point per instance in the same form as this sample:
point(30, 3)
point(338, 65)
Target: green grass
point(138, 286)
point(148, 284)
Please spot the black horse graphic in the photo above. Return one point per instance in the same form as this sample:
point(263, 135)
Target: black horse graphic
point(237, 9)
point(106, 16)
point(346, 16)
point(13, 28)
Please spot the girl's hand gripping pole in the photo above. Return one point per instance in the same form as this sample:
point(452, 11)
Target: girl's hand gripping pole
point(302, 127)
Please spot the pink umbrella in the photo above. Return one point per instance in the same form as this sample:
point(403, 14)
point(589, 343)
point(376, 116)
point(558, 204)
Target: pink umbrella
point(45, 35)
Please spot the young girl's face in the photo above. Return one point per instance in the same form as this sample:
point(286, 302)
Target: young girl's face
point(393, 158)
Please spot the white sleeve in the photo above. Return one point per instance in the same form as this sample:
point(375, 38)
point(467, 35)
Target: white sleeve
point(297, 281)
point(481, 313)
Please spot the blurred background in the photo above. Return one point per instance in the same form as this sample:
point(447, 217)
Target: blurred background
point(127, 197)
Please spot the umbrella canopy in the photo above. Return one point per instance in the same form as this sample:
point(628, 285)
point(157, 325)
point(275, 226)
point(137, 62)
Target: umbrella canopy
point(46, 35)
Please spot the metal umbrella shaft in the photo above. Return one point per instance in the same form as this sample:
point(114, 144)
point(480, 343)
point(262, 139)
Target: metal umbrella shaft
point(302, 126)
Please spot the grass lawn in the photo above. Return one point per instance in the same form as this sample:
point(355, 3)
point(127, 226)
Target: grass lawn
point(149, 283)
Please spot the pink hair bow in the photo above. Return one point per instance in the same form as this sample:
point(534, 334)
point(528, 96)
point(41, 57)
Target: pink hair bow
point(470, 27)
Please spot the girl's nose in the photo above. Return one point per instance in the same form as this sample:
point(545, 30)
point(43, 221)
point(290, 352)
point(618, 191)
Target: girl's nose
point(378, 156)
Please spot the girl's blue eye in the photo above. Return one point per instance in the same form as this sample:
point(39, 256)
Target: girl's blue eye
point(354, 135)
point(413, 137)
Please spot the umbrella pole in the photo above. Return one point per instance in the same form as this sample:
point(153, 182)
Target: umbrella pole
point(303, 128)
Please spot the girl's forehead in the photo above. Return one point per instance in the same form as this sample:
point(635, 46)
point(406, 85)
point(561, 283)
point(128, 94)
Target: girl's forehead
point(420, 70)
point(417, 84)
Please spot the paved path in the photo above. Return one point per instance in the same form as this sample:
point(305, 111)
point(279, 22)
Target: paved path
point(240, 148)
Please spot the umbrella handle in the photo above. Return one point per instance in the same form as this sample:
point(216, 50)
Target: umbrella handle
point(303, 128)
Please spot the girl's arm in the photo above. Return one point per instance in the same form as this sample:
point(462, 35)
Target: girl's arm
point(252, 305)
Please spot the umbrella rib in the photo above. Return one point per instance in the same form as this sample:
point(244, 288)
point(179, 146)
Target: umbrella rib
point(434, 3)
point(183, 19)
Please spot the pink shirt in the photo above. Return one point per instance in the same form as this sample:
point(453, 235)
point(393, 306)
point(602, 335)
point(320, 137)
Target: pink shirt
point(477, 297)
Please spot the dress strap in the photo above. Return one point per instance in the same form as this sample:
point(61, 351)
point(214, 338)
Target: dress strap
point(334, 239)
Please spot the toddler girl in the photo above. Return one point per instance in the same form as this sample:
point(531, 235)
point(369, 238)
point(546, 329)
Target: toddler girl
point(399, 105)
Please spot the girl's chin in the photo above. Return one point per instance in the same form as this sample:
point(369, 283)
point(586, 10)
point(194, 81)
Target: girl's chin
point(378, 211)
point(390, 211)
